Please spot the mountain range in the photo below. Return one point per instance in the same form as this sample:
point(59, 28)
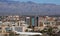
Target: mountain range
point(9, 7)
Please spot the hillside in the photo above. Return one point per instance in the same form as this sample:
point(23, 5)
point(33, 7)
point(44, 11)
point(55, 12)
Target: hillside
point(28, 8)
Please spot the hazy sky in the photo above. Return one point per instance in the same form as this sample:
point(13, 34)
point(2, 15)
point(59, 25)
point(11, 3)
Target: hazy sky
point(43, 1)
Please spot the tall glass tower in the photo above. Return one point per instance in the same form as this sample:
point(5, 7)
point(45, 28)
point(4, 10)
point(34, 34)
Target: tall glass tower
point(33, 21)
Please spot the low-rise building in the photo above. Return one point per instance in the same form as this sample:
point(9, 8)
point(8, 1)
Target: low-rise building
point(46, 21)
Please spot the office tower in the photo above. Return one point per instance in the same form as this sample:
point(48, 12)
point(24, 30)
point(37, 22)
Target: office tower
point(36, 21)
point(33, 21)
point(27, 20)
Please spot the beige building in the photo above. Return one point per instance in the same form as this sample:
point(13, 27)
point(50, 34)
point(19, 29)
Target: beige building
point(45, 20)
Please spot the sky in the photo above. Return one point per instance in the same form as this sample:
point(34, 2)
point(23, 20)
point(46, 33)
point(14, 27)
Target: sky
point(42, 1)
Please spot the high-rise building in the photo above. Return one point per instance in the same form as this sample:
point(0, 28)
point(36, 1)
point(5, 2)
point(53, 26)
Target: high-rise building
point(36, 21)
point(27, 20)
point(33, 21)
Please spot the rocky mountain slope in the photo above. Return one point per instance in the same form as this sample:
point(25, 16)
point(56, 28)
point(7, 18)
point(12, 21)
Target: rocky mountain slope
point(27, 8)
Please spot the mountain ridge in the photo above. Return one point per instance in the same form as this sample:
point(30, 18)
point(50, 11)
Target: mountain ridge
point(28, 8)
